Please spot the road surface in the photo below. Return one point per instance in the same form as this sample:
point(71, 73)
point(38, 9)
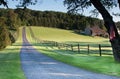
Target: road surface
point(38, 66)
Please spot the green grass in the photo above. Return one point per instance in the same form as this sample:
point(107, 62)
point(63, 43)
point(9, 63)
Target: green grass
point(61, 35)
point(104, 64)
point(10, 66)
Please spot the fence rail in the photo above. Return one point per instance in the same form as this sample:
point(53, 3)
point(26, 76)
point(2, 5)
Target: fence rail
point(80, 49)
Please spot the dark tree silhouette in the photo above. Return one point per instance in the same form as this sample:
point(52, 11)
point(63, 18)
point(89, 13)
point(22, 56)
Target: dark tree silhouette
point(101, 5)
point(22, 3)
point(4, 3)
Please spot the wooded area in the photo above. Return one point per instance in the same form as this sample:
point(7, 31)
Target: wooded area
point(12, 19)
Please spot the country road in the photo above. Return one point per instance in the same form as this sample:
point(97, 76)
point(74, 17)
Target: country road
point(38, 66)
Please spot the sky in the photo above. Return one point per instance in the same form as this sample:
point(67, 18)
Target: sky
point(54, 5)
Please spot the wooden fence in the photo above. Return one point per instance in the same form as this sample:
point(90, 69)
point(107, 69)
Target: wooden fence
point(78, 48)
point(81, 49)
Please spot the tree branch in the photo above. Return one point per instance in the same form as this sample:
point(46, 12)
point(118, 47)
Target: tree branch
point(108, 20)
point(119, 3)
point(4, 3)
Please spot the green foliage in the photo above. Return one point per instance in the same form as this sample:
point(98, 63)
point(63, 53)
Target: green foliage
point(9, 23)
point(4, 34)
point(26, 16)
point(22, 17)
point(12, 20)
point(56, 19)
point(10, 66)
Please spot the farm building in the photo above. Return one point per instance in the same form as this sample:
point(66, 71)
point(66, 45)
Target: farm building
point(95, 31)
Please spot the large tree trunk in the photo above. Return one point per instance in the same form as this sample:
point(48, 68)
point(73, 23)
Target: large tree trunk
point(111, 28)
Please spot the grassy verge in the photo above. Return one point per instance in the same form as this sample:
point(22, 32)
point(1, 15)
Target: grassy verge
point(104, 64)
point(10, 66)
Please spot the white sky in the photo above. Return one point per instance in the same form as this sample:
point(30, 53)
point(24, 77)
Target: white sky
point(55, 5)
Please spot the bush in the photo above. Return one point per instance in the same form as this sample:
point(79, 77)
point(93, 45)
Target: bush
point(4, 34)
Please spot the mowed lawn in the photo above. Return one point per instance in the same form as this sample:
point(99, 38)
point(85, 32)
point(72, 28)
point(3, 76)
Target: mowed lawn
point(10, 65)
point(104, 64)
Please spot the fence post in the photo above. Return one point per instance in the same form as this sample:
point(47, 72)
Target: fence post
point(88, 49)
point(72, 47)
point(58, 45)
point(78, 48)
point(100, 50)
point(66, 46)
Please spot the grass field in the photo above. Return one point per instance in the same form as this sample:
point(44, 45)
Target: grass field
point(10, 66)
point(61, 35)
point(104, 64)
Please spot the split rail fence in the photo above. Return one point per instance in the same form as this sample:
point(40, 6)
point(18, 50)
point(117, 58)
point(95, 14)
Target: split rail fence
point(77, 48)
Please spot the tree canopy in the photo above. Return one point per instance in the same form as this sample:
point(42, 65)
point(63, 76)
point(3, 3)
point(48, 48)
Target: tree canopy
point(101, 6)
point(12, 19)
point(22, 3)
point(75, 6)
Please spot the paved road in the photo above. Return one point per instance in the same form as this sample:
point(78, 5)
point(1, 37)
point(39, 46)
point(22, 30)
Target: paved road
point(38, 66)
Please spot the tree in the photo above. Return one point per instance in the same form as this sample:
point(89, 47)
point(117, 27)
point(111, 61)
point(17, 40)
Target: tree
point(4, 34)
point(4, 3)
point(101, 5)
point(12, 20)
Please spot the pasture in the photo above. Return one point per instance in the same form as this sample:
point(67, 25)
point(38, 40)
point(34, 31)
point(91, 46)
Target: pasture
point(95, 63)
point(61, 35)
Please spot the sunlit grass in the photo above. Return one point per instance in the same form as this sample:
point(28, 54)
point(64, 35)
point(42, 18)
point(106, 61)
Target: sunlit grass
point(10, 66)
point(95, 63)
point(60, 35)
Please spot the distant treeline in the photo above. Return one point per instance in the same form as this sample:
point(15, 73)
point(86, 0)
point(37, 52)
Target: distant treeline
point(56, 19)
point(12, 19)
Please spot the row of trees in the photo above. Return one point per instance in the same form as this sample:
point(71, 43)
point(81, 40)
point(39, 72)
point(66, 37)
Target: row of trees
point(101, 7)
point(11, 20)
point(57, 19)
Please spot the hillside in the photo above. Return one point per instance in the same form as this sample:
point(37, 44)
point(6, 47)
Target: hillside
point(60, 35)
point(92, 62)
point(12, 19)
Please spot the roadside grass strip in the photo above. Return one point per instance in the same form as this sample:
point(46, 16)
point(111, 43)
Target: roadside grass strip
point(104, 64)
point(10, 66)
